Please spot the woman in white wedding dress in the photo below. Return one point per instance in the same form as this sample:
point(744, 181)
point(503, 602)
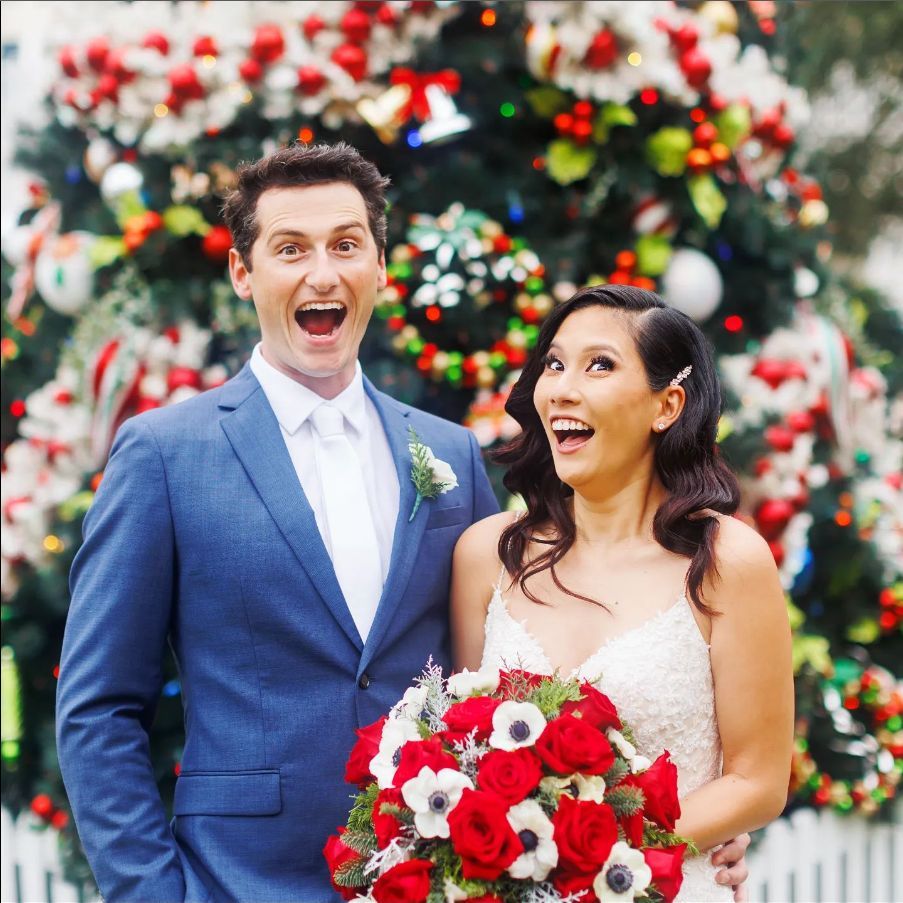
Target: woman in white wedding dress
point(627, 568)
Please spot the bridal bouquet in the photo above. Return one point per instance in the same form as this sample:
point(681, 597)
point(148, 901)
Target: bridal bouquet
point(500, 786)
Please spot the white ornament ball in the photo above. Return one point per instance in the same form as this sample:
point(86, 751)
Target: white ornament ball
point(692, 284)
point(120, 179)
point(805, 282)
point(64, 275)
point(100, 155)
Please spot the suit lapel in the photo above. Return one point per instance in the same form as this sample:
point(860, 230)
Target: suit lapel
point(253, 431)
point(408, 534)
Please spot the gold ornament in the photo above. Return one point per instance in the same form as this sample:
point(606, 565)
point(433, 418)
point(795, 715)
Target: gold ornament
point(485, 377)
point(722, 15)
point(384, 113)
point(813, 213)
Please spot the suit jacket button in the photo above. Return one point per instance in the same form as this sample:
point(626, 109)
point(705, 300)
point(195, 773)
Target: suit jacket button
point(364, 682)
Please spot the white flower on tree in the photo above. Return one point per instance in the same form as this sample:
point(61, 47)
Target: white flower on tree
point(516, 724)
point(624, 876)
point(535, 831)
point(432, 795)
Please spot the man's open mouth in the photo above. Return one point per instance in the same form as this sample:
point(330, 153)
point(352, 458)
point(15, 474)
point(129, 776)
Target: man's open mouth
point(570, 433)
point(321, 318)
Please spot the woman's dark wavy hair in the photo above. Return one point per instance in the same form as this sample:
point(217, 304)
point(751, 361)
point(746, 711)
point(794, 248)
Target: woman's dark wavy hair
point(686, 457)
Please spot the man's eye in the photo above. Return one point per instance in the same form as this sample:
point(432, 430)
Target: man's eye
point(289, 250)
point(346, 245)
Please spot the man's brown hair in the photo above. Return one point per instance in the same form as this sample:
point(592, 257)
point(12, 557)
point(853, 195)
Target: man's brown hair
point(303, 164)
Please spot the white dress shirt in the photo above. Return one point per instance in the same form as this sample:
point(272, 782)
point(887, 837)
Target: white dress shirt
point(292, 404)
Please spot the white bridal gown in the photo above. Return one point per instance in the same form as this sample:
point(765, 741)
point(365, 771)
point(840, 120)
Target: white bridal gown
point(659, 676)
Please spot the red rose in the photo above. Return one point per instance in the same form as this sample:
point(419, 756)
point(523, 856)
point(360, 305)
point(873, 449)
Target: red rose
point(357, 769)
point(569, 744)
point(515, 683)
point(633, 829)
point(585, 832)
point(666, 865)
point(659, 786)
point(510, 774)
point(481, 835)
point(567, 883)
point(463, 717)
point(417, 754)
point(407, 882)
point(385, 825)
point(595, 708)
point(336, 854)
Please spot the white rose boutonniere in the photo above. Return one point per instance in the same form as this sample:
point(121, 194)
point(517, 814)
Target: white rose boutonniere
point(430, 476)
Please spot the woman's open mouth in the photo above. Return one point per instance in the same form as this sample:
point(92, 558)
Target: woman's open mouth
point(571, 434)
point(321, 318)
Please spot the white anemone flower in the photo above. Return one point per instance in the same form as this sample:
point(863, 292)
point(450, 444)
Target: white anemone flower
point(396, 732)
point(535, 831)
point(465, 683)
point(621, 743)
point(411, 704)
point(640, 763)
point(432, 795)
point(588, 787)
point(516, 724)
point(624, 876)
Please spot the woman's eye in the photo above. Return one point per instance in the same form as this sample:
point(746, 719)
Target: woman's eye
point(552, 363)
point(601, 363)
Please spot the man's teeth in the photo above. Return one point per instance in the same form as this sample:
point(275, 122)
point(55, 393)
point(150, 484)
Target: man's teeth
point(322, 305)
point(572, 425)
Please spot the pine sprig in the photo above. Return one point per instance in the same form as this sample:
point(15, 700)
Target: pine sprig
point(363, 842)
point(552, 694)
point(625, 800)
point(361, 816)
point(351, 873)
point(654, 836)
point(616, 773)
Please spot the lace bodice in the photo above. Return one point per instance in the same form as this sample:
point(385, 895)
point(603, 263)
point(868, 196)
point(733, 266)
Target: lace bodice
point(659, 676)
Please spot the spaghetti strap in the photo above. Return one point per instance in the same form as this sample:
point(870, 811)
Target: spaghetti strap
point(498, 583)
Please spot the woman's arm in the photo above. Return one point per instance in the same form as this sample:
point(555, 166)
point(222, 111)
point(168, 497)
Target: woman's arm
point(753, 677)
point(475, 568)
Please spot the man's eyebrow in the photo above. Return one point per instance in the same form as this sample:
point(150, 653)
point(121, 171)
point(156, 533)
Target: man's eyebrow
point(297, 233)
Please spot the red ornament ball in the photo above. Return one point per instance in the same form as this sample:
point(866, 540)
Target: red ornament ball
point(312, 26)
point(157, 41)
point(250, 70)
point(268, 44)
point(685, 38)
point(352, 59)
point(185, 82)
point(772, 516)
point(67, 62)
point(205, 46)
point(696, 67)
point(603, 50)
point(779, 437)
point(42, 806)
point(310, 80)
point(356, 26)
point(216, 244)
point(60, 819)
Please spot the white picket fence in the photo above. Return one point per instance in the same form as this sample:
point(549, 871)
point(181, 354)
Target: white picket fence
point(810, 857)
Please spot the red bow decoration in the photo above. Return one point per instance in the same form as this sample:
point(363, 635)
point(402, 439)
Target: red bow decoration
point(418, 105)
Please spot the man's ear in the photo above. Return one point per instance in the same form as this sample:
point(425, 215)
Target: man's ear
point(240, 275)
point(382, 279)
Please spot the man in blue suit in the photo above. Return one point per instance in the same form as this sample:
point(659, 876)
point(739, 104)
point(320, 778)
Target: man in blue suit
point(264, 530)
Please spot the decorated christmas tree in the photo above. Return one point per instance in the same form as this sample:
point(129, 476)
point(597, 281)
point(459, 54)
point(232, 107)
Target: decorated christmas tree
point(533, 147)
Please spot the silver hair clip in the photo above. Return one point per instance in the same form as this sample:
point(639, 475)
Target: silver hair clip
point(682, 375)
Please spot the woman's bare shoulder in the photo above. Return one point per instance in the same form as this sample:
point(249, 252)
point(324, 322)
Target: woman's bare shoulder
point(478, 544)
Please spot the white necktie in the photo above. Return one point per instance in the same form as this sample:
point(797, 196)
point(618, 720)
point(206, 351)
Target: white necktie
point(352, 536)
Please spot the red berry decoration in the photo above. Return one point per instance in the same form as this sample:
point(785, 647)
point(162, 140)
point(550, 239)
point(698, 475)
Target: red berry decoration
point(183, 376)
point(352, 59)
point(216, 244)
point(705, 134)
point(96, 53)
point(310, 80)
point(356, 26)
point(67, 62)
point(107, 87)
point(157, 41)
point(779, 437)
point(385, 15)
point(250, 70)
point(185, 83)
point(603, 50)
point(268, 44)
point(205, 46)
point(685, 38)
point(312, 26)
point(60, 819)
point(42, 806)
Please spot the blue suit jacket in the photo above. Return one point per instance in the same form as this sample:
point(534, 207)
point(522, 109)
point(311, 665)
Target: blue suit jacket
point(200, 534)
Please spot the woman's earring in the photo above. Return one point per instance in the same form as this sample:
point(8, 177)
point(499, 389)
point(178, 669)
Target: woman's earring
point(661, 426)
